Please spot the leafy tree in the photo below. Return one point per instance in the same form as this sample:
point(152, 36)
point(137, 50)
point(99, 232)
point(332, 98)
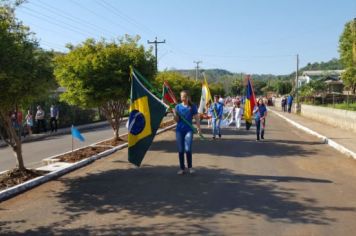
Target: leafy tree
point(237, 87)
point(179, 82)
point(314, 87)
point(96, 74)
point(283, 87)
point(25, 73)
point(347, 50)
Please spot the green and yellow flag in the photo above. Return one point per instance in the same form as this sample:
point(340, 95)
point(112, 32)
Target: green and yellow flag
point(146, 114)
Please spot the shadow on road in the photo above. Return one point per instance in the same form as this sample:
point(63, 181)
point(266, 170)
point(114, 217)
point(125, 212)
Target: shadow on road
point(242, 147)
point(157, 190)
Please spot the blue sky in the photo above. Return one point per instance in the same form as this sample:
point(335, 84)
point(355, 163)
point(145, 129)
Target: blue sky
point(256, 36)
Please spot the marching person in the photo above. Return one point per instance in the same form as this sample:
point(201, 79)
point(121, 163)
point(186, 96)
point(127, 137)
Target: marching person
point(260, 112)
point(208, 104)
point(238, 114)
point(183, 115)
point(216, 110)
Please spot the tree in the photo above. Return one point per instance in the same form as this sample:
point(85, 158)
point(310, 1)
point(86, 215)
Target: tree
point(237, 87)
point(313, 88)
point(96, 74)
point(179, 82)
point(347, 50)
point(25, 72)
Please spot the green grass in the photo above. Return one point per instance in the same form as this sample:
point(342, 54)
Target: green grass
point(343, 106)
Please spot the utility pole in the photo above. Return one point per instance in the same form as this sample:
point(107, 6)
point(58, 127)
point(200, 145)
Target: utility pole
point(155, 43)
point(297, 86)
point(353, 28)
point(197, 69)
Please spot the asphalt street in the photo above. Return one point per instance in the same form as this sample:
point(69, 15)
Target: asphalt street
point(288, 184)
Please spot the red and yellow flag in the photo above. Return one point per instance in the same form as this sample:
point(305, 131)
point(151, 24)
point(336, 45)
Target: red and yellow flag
point(250, 101)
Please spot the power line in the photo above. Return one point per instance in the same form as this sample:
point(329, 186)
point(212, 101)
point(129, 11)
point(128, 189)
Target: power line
point(57, 22)
point(125, 17)
point(70, 17)
point(94, 13)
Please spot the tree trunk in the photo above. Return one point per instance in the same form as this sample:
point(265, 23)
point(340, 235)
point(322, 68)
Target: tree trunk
point(113, 111)
point(12, 139)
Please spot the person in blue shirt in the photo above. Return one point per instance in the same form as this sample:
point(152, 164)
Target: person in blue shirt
point(183, 114)
point(290, 102)
point(260, 113)
point(216, 110)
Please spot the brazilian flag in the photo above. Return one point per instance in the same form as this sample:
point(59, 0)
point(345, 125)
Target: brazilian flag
point(146, 114)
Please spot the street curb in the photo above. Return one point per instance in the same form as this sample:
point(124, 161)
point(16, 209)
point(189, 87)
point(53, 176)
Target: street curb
point(325, 139)
point(15, 190)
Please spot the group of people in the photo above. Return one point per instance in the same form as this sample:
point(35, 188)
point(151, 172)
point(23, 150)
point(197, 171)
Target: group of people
point(286, 103)
point(27, 125)
point(185, 111)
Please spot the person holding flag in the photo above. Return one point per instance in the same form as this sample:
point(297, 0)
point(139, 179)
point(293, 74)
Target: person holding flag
point(260, 112)
point(183, 113)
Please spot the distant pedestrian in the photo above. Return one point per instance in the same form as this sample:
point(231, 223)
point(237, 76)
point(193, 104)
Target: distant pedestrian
point(29, 122)
point(260, 113)
point(290, 103)
point(54, 118)
point(184, 112)
point(284, 104)
point(40, 119)
point(216, 110)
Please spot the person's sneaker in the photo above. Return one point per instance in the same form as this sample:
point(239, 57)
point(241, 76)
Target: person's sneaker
point(257, 140)
point(180, 172)
point(219, 135)
point(213, 137)
point(191, 170)
point(262, 137)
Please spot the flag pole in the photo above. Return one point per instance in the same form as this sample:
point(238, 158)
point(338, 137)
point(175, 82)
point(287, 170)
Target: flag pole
point(211, 98)
point(155, 92)
point(72, 141)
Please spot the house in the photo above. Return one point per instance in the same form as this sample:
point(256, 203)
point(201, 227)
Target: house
point(331, 77)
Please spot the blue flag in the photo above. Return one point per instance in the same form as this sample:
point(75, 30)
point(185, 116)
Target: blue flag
point(76, 134)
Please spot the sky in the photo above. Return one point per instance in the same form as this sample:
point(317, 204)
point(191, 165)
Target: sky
point(249, 36)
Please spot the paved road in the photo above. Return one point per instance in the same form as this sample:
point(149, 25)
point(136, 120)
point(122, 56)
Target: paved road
point(35, 151)
point(289, 184)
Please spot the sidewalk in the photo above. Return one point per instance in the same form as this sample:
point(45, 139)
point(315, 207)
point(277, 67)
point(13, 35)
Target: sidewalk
point(61, 131)
point(331, 134)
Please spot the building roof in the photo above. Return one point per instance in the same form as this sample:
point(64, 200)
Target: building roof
point(322, 72)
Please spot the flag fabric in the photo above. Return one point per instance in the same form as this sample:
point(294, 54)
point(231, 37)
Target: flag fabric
point(76, 134)
point(146, 114)
point(167, 94)
point(205, 96)
point(250, 101)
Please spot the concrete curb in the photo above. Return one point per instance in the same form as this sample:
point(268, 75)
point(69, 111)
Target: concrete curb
point(325, 139)
point(15, 190)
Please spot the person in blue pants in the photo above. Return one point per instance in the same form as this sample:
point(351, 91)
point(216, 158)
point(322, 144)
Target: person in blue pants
point(290, 102)
point(260, 113)
point(183, 114)
point(216, 110)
